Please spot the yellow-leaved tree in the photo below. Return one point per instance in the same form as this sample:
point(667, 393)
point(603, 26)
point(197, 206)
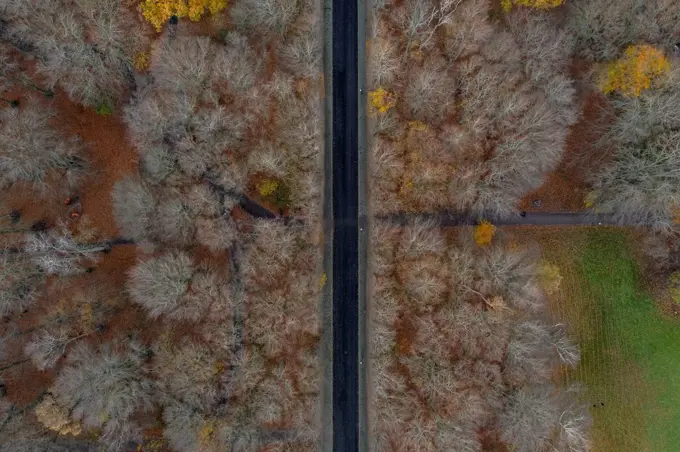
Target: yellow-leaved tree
point(635, 71)
point(381, 100)
point(267, 187)
point(157, 12)
point(549, 277)
point(484, 233)
point(55, 417)
point(538, 4)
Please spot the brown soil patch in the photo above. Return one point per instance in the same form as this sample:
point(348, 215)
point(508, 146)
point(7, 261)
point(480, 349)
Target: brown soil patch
point(405, 332)
point(128, 319)
point(25, 383)
point(113, 267)
point(153, 440)
point(218, 260)
point(491, 442)
point(111, 158)
point(243, 221)
point(212, 26)
point(560, 192)
point(32, 205)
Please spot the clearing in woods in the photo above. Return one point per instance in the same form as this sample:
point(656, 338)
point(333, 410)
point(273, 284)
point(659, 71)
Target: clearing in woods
point(630, 350)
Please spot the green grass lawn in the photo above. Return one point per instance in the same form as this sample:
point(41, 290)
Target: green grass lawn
point(630, 351)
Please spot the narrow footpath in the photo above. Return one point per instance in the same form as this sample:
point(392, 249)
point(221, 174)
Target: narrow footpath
point(447, 219)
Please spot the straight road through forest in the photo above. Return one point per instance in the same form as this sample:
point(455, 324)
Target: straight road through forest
point(345, 226)
point(346, 174)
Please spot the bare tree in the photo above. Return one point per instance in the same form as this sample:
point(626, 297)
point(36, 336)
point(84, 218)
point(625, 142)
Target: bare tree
point(173, 222)
point(203, 200)
point(46, 348)
point(430, 91)
point(639, 187)
point(160, 283)
point(457, 437)
point(237, 66)
point(23, 269)
point(605, 27)
point(8, 70)
point(133, 206)
point(530, 120)
point(149, 214)
point(183, 426)
point(33, 152)
point(383, 61)
point(183, 65)
point(529, 418)
point(567, 350)
point(420, 19)
point(11, 75)
point(58, 252)
point(510, 274)
point(170, 285)
point(468, 29)
point(86, 47)
point(531, 356)
point(189, 373)
point(547, 49)
point(19, 280)
point(217, 234)
point(301, 55)
point(104, 388)
point(266, 15)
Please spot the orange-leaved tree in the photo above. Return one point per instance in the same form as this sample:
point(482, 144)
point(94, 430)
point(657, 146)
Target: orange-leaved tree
point(538, 4)
point(635, 71)
point(157, 12)
point(484, 233)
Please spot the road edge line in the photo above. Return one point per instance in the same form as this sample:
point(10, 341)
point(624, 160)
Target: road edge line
point(326, 304)
point(363, 226)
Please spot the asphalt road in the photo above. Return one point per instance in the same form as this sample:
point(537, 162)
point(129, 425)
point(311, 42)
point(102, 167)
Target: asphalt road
point(345, 226)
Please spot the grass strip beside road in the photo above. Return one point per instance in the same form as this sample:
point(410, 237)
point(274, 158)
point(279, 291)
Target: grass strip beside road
point(630, 350)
